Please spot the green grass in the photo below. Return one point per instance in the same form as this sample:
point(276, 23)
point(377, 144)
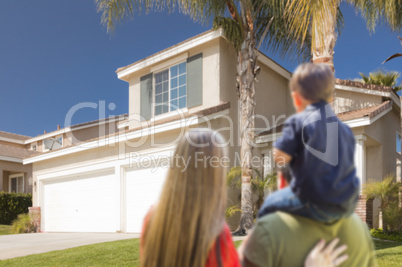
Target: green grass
point(389, 254)
point(126, 252)
point(5, 229)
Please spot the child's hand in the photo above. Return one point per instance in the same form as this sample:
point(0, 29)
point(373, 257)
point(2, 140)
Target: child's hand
point(326, 257)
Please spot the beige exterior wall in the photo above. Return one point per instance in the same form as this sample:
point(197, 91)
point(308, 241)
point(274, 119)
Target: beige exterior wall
point(347, 100)
point(9, 168)
point(210, 81)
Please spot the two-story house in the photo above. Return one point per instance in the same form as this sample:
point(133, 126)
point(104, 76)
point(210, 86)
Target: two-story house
point(108, 183)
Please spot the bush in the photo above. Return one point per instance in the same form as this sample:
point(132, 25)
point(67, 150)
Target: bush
point(12, 204)
point(24, 224)
point(394, 236)
point(387, 191)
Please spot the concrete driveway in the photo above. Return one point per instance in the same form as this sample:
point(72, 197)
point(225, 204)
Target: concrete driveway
point(12, 246)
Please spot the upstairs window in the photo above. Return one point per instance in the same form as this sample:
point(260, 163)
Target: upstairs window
point(53, 143)
point(171, 89)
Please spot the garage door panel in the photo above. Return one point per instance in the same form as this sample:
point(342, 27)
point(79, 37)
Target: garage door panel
point(143, 187)
point(82, 203)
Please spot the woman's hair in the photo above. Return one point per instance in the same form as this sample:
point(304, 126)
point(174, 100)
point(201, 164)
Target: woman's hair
point(190, 213)
point(314, 82)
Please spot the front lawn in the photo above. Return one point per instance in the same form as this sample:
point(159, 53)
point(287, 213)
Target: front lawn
point(389, 254)
point(5, 229)
point(126, 252)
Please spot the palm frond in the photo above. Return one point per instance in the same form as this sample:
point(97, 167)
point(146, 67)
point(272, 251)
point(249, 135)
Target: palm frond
point(114, 11)
point(374, 11)
point(279, 39)
point(392, 57)
point(381, 77)
point(231, 30)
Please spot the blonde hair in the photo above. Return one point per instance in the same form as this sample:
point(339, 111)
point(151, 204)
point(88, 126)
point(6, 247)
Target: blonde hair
point(314, 82)
point(190, 213)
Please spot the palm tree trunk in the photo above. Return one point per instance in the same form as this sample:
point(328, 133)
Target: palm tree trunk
point(324, 40)
point(246, 62)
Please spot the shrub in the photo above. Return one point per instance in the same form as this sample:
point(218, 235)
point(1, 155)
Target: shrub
point(379, 233)
point(387, 191)
point(12, 204)
point(24, 223)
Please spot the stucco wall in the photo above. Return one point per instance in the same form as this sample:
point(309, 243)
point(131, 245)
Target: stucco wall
point(347, 101)
point(210, 80)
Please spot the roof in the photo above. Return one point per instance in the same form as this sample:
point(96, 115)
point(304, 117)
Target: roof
point(15, 152)
point(120, 117)
point(370, 112)
point(14, 136)
point(150, 123)
point(364, 85)
point(160, 52)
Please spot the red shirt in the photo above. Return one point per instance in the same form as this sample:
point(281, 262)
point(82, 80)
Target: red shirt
point(227, 252)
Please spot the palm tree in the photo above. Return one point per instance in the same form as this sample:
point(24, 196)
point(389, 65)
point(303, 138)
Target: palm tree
point(380, 77)
point(259, 185)
point(323, 19)
point(248, 22)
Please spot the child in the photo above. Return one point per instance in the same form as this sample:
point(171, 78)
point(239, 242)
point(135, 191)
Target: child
point(320, 151)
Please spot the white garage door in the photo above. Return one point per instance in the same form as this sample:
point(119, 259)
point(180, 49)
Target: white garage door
point(82, 203)
point(143, 189)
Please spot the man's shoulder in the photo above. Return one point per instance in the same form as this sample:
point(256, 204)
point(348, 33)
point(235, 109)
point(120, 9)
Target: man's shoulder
point(286, 220)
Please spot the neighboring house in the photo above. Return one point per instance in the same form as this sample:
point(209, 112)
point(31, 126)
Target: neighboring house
point(17, 177)
point(373, 114)
point(108, 183)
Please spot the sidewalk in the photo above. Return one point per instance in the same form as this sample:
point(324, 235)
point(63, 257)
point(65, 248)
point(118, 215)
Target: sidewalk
point(12, 246)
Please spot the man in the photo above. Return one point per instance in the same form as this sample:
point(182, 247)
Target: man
point(281, 239)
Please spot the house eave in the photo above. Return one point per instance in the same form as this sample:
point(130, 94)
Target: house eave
point(173, 51)
point(177, 124)
point(10, 159)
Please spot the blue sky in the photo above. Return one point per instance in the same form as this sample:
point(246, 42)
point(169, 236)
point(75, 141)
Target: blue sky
point(55, 54)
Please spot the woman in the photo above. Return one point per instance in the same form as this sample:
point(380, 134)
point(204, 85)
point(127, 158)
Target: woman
point(187, 227)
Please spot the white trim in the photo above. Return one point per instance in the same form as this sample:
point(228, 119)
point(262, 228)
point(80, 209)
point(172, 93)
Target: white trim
point(182, 123)
point(169, 114)
point(391, 95)
point(366, 120)
point(184, 47)
point(274, 66)
point(169, 63)
point(11, 159)
point(71, 129)
point(5, 139)
point(122, 125)
point(21, 174)
point(268, 138)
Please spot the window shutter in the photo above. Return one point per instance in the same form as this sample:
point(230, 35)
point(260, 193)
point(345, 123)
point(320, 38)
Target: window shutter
point(194, 81)
point(146, 97)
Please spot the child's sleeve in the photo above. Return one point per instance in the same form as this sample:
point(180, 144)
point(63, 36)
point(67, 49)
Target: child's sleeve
point(290, 139)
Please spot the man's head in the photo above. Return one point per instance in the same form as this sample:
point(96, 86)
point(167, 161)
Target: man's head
point(311, 83)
